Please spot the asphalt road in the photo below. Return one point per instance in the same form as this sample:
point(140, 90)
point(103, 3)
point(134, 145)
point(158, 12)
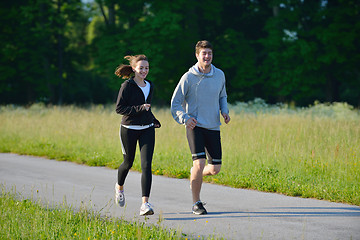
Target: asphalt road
point(233, 213)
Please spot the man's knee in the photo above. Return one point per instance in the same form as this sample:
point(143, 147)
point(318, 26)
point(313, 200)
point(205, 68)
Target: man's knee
point(214, 169)
point(199, 163)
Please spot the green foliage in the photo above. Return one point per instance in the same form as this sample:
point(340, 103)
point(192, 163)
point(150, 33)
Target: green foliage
point(308, 51)
point(240, 72)
point(32, 219)
point(281, 51)
point(335, 111)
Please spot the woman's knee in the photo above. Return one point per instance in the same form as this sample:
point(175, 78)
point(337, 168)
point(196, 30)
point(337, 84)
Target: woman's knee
point(126, 165)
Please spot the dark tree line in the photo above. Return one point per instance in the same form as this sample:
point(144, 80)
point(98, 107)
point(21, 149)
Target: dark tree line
point(66, 51)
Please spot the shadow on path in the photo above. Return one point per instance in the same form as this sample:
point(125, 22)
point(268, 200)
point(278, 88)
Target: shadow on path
point(293, 212)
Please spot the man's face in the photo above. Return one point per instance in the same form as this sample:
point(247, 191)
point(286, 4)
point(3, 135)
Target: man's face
point(204, 57)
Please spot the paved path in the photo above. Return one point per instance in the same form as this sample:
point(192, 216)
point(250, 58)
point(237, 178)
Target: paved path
point(233, 213)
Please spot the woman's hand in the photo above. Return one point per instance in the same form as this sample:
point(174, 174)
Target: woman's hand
point(157, 124)
point(147, 106)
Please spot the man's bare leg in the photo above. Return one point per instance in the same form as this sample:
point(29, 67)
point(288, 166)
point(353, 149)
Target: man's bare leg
point(196, 178)
point(211, 169)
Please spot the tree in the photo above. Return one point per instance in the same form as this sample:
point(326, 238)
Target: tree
point(153, 29)
point(43, 51)
point(66, 51)
point(310, 47)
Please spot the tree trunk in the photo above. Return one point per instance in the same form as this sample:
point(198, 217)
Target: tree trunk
point(60, 54)
point(332, 89)
point(111, 8)
point(275, 11)
point(45, 59)
point(101, 6)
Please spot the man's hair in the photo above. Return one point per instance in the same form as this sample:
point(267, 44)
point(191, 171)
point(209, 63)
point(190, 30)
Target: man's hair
point(202, 44)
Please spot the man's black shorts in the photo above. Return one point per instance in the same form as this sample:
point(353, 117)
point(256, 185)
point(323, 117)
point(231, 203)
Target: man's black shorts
point(204, 142)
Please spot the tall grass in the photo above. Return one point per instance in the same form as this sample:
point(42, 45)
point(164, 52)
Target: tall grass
point(31, 219)
point(310, 152)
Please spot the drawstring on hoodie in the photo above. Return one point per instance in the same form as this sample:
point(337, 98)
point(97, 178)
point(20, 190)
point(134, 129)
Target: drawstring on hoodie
point(201, 76)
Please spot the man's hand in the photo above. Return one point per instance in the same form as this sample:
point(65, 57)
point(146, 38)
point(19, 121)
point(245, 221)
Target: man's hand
point(226, 117)
point(191, 123)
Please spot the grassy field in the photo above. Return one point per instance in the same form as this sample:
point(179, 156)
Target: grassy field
point(312, 152)
point(29, 219)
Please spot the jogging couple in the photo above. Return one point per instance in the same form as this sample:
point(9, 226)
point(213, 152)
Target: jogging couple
point(197, 102)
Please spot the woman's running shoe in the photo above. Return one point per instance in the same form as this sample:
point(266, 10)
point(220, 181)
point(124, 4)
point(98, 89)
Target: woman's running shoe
point(146, 209)
point(119, 196)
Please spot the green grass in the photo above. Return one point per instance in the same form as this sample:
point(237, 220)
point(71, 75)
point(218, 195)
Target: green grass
point(312, 152)
point(29, 219)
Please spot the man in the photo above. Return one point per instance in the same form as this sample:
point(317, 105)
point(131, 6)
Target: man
point(197, 101)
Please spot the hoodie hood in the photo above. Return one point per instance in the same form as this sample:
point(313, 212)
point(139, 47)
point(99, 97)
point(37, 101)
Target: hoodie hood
point(195, 70)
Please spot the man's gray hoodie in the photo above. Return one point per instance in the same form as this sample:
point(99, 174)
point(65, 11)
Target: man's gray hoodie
point(201, 96)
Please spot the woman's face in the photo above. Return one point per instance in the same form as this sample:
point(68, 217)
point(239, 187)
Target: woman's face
point(141, 69)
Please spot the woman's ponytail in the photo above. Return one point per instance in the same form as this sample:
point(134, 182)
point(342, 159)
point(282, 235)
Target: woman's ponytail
point(125, 71)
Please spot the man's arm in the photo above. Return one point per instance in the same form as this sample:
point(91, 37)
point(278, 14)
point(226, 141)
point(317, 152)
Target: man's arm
point(223, 104)
point(177, 100)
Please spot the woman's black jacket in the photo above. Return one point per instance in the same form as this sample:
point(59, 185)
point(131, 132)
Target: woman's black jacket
point(130, 104)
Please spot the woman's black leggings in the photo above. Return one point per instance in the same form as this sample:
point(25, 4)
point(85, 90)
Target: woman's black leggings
point(128, 139)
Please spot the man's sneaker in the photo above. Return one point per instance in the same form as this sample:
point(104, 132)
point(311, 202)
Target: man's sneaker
point(198, 208)
point(119, 196)
point(146, 209)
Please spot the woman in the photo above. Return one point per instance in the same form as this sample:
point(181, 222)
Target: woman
point(137, 125)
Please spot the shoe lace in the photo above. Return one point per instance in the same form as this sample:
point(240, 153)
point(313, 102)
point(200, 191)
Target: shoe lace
point(203, 203)
point(149, 205)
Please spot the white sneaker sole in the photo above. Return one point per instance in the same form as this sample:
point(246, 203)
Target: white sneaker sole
point(150, 212)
